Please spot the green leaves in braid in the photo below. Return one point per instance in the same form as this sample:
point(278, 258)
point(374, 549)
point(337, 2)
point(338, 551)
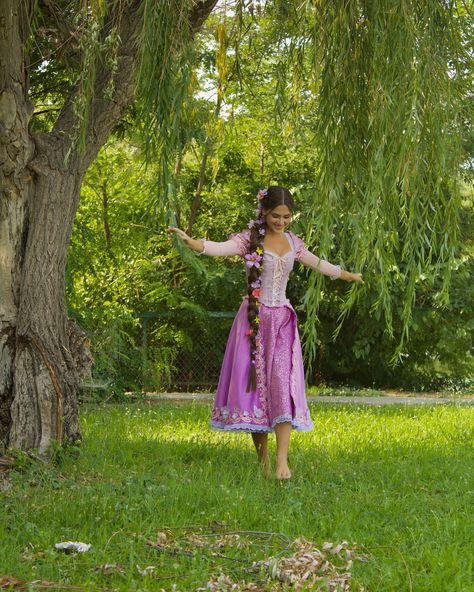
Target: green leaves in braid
point(268, 200)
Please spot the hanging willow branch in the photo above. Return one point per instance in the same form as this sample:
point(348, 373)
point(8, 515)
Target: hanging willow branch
point(389, 101)
point(381, 88)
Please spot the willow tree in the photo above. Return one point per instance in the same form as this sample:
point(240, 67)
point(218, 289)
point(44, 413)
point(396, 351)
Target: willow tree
point(382, 94)
point(101, 55)
point(383, 82)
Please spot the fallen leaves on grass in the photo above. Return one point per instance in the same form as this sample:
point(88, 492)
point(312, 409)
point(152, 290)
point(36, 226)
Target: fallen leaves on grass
point(314, 568)
point(11, 583)
point(110, 568)
point(300, 565)
point(223, 583)
point(31, 555)
point(232, 540)
point(146, 571)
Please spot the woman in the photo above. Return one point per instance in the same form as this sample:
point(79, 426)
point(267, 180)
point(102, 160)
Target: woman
point(261, 386)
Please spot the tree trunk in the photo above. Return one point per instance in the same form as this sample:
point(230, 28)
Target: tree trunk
point(51, 354)
point(43, 354)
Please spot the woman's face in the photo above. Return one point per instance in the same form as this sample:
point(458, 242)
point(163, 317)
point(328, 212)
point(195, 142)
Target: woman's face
point(278, 219)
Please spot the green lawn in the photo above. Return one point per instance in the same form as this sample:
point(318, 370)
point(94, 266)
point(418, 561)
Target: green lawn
point(397, 481)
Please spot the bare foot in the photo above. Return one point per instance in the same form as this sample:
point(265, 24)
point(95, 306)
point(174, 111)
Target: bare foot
point(261, 446)
point(283, 472)
point(265, 464)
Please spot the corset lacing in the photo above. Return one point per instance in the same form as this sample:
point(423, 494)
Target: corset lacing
point(279, 268)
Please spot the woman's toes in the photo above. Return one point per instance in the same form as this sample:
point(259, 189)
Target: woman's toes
point(283, 473)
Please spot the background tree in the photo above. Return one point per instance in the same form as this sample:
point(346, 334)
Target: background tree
point(147, 276)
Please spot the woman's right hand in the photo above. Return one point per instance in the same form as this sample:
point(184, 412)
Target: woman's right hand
point(182, 235)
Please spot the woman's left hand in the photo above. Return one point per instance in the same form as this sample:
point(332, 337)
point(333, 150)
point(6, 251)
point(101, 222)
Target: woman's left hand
point(351, 277)
point(356, 277)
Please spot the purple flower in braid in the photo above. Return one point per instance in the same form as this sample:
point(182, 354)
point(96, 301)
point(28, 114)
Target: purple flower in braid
point(268, 199)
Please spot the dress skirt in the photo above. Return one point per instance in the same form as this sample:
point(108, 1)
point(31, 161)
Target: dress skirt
point(280, 392)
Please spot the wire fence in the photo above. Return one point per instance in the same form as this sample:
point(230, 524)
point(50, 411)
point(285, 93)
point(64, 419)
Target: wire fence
point(183, 352)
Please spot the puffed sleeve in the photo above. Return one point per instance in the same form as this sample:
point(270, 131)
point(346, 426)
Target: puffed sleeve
point(242, 240)
point(310, 260)
point(236, 245)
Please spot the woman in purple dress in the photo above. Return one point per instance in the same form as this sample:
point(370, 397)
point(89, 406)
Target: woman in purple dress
point(261, 386)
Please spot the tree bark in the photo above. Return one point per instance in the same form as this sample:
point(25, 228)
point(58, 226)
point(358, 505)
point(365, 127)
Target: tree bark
point(43, 354)
point(16, 149)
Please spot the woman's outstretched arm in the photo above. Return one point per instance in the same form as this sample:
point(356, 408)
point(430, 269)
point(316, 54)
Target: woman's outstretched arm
point(204, 247)
point(311, 260)
point(333, 271)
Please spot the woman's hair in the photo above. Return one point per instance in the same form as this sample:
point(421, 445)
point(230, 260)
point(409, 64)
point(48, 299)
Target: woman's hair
point(269, 199)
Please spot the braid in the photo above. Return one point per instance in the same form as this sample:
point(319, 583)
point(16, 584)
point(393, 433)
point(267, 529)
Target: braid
point(253, 287)
point(268, 200)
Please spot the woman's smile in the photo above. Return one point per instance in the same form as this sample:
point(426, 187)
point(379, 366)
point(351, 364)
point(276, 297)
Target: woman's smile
point(279, 218)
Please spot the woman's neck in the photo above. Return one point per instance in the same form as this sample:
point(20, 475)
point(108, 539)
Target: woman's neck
point(274, 233)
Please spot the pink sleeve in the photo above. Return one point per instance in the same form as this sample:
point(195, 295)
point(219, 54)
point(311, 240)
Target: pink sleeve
point(242, 240)
point(310, 260)
point(236, 245)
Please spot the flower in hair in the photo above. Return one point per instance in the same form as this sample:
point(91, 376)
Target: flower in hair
point(253, 259)
point(249, 332)
point(262, 194)
point(261, 231)
point(251, 224)
point(256, 284)
point(256, 293)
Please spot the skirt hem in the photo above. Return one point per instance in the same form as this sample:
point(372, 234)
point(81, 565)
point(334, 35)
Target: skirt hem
point(223, 427)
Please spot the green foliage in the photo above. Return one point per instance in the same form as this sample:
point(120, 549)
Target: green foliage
point(140, 270)
point(388, 149)
point(369, 132)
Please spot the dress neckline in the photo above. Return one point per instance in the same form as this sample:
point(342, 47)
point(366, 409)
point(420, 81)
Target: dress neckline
point(288, 239)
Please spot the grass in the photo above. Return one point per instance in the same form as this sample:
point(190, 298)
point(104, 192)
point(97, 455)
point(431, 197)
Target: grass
point(348, 391)
point(398, 481)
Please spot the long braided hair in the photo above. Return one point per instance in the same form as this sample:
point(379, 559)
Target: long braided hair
point(268, 199)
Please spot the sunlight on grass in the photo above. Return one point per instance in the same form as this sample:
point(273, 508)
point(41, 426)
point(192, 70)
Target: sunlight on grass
point(395, 480)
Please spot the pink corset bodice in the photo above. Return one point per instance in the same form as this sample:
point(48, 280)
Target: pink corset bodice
point(274, 277)
point(276, 268)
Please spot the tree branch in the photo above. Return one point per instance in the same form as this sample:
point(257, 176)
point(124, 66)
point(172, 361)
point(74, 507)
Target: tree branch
point(200, 13)
point(57, 21)
point(105, 112)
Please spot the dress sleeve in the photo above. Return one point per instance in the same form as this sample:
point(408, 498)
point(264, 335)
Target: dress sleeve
point(236, 245)
point(242, 240)
point(310, 260)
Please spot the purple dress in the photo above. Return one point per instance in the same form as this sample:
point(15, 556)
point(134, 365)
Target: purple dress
point(280, 392)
